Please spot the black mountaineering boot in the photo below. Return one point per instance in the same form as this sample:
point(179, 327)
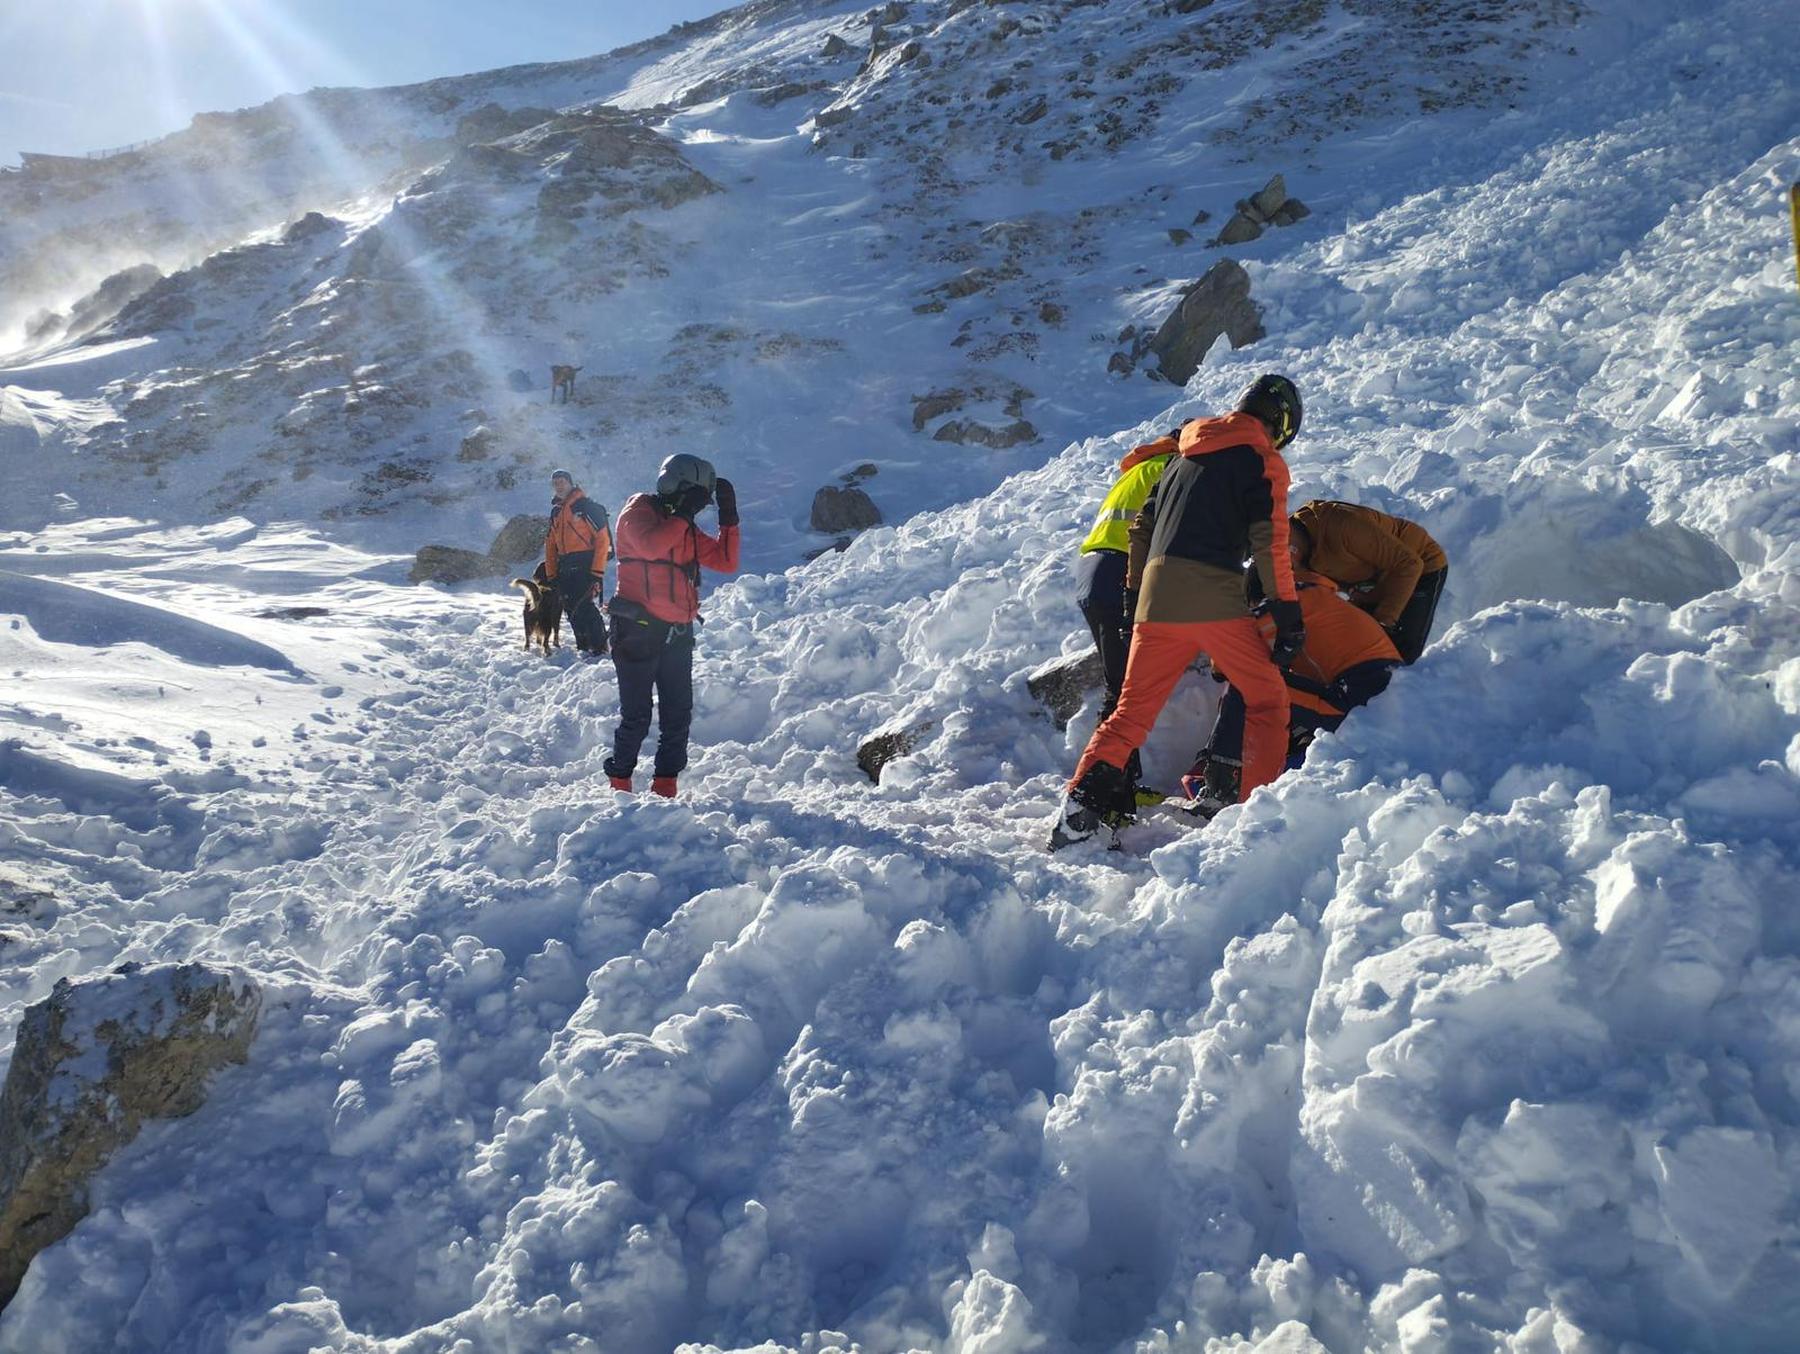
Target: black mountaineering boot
point(1223, 779)
point(1102, 796)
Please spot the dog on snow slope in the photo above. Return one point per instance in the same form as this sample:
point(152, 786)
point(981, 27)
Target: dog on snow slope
point(543, 610)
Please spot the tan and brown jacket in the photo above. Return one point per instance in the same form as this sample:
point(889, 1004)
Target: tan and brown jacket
point(1353, 545)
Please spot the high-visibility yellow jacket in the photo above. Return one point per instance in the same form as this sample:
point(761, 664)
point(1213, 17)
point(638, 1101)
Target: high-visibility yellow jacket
point(1138, 473)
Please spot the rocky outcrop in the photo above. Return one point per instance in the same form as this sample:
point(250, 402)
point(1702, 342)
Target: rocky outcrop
point(1219, 303)
point(980, 434)
point(1270, 206)
point(847, 509)
point(447, 564)
point(1062, 684)
point(835, 47)
point(892, 743)
point(522, 538)
point(92, 1062)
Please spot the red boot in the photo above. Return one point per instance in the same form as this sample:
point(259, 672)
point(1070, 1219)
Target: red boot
point(664, 786)
point(620, 783)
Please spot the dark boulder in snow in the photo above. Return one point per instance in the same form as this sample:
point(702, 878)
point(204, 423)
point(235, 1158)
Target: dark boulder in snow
point(1241, 229)
point(979, 434)
point(447, 564)
point(93, 1061)
point(847, 509)
point(521, 539)
point(890, 744)
point(1219, 303)
point(1063, 683)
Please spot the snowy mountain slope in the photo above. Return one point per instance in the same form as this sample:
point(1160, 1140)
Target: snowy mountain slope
point(922, 245)
point(1473, 1033)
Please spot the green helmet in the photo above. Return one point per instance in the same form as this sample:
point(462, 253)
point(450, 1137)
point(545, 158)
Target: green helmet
point(683, 470)
point(1276, 402)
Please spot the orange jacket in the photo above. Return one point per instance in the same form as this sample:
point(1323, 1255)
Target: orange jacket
point(1354, 545)
point(1338, 637)
point(578, 528)
point(660, 556)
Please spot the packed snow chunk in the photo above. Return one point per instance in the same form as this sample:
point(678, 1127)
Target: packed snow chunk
point(1554, 1179)
point(1722, 1194)
point(63, 613)
point(1549, 539)
point(584, 1256)
point(990, 1316)
point(1677, 921)
point(639, 1087)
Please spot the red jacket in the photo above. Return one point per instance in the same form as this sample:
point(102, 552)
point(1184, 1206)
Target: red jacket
point(660, 557)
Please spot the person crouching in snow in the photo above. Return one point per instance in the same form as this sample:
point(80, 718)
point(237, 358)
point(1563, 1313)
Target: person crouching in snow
point(655, 607)
point(1223, 499)
point(1393, 567)
point(1347, 661)
point(575, 555)
point(1105, 554)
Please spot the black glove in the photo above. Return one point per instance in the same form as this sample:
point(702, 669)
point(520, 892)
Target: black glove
point(691, 501)
point(1290, 633)
point(1128, 599)
point(726, 497)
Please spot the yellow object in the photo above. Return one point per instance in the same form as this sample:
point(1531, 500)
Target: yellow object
point(1794, 210)
point(1112, 527)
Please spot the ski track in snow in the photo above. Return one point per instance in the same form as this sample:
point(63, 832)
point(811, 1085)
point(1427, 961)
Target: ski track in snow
point(1477, 1032)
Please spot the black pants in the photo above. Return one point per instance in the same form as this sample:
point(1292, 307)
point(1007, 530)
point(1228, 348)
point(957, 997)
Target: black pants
point(582, 610)
point(1100, 593)
point(1414, 626)
point(654, 660)
point(1354, 686)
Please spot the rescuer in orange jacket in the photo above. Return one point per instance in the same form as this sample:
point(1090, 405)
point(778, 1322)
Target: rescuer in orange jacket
point(1347, 661)
point(1223, 499)
point(575, 555)
point(1391, 566)
point(655, 607)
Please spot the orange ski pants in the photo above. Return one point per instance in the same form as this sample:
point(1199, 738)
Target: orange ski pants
point(1160, 652)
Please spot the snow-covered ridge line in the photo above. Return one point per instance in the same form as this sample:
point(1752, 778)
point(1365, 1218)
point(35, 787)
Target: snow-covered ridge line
point(878, 177)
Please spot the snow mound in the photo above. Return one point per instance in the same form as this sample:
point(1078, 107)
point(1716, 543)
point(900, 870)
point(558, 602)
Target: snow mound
point(66, 614)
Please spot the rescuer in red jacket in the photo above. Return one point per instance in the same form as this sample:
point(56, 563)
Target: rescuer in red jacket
point(655, 606)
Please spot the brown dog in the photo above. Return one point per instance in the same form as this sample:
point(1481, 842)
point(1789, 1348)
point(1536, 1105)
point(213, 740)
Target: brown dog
point(543, 610)
point(562, 380)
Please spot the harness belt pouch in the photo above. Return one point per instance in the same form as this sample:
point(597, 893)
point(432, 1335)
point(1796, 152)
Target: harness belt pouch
point(636, 635)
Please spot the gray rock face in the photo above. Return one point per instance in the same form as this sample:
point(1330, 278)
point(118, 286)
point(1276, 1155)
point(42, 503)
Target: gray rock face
point(1241, 229)
point(846, 509)
point(881, 748)
point(835, 47)
point(522, 538)
point(1063, 683)
point(92, 1062)
point(1268, 201)
point(979, 434)
point(447, 564)
point(1219, 303)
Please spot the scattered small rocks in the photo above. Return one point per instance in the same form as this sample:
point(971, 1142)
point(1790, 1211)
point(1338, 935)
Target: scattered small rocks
point(996, 439)
point(1269, 206)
